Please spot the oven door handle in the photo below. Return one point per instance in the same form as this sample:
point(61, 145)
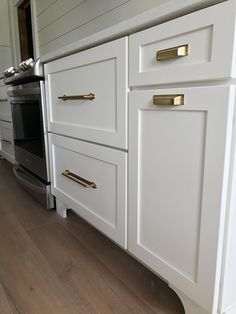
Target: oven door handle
point(38, 187)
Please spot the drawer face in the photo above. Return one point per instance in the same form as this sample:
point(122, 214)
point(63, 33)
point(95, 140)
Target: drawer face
point(7, 146)
point(5, 107)
point(103, 206)
point(189, 48)
point(100, 71)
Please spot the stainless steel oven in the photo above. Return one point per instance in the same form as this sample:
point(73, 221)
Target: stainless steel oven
point(28, 127)
point(26, 95)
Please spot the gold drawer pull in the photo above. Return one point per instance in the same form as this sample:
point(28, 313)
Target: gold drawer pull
point(168, 100)
point(172, 53)
point(78, 179)
point(6, 141)
point(90, 96)
point(3, 99)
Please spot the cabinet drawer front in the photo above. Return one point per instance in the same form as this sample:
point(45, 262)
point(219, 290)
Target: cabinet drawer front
point(100, 71)
point(208, 54)
point(178, 167)
point(7, 145)
point(5, 107)
point(103, 204)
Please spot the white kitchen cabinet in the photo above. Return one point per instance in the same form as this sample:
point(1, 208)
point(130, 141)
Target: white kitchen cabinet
point(181, 150)
point(186, 49)
point(91, 180)
point(5, 39)
point(6, 132)
point(94, 86)
point(6, 141)
point(178, 166)
point(5, 107)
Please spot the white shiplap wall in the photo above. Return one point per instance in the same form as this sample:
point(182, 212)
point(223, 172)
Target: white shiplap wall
point(62, 22)
point(5, 43)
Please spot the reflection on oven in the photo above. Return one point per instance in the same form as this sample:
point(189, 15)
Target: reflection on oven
point(27, 126)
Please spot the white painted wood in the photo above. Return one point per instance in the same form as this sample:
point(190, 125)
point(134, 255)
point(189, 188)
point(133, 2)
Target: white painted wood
point(5, 106)
point(57, 10)
point(4, 24)
point(43, 5)
point(178, 168)
point(104, 207)
point(5, 58)
point(231, 310)
point(5, 45)
point(181, 197)
point(210, 56)
point(189, 306)
point(101, 71)
point(34, 29)
point(131, 16)
point(7, 149)
point(227, 301)
point(81, 14)
point(61, 208)
point(14, 32)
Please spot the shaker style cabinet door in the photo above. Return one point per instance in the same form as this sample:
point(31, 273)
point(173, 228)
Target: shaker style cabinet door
point(6, 141)
point(5, 107)
point(87, 94)
point(179, 146)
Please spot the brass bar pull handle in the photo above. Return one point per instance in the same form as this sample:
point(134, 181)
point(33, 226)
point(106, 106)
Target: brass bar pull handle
point(172, 53)
point(168, 100)
point(6, 141)
point(90, 96)
point(84, 182)
point(3, 99)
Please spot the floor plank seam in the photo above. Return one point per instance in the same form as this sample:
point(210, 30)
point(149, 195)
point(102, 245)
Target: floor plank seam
point(99, 261)
point(8, 294)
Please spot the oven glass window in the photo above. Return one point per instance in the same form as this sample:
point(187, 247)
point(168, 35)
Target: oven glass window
point(28, 128)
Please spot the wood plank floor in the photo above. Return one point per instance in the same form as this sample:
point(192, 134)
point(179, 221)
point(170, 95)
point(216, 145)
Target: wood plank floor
point(52, 265)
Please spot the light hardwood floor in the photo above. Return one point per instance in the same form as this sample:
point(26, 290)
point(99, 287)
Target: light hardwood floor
point(49, 265)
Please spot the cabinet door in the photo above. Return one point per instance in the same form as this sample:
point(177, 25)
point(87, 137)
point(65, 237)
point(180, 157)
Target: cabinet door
point(6, 141)
point(178, 167)
point(5, 107)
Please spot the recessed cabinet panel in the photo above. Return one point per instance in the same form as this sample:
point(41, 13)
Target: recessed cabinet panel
point(176, 170)
point(6, 141)
point(167, 192)
point(91, 180)
point(5, 107)
point(195, 55)
point(190, 48)
point(87, 94)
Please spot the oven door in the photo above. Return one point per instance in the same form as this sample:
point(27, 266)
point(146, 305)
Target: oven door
point(28, 134)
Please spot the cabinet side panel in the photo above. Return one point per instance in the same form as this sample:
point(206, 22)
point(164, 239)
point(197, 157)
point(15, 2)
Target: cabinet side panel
point(228, 285)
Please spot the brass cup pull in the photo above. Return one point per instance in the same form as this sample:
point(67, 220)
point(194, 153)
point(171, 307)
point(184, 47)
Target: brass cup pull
point(90, 96)
point(168, 100)
point(3, 99)
point(84, 182)
point(6, 141)
point(172, 53)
